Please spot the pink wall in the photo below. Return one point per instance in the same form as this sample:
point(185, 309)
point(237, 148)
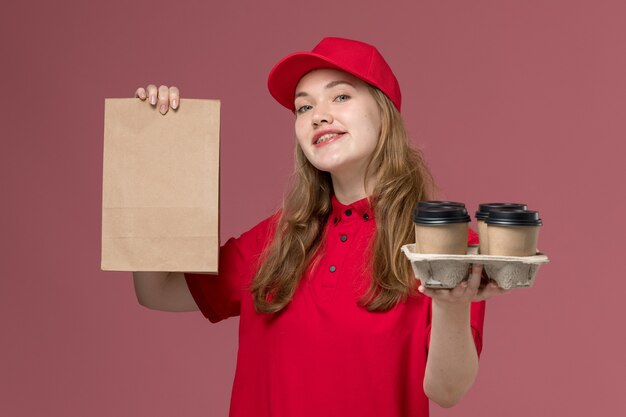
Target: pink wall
point(510, 100)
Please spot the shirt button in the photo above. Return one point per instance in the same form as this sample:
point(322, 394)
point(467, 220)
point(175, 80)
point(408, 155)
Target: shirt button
point(344, 238)
point(366, 216)
point(332, 268)
point(348, 212)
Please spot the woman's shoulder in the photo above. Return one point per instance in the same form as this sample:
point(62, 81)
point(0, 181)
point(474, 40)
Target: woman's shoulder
point(260, 234)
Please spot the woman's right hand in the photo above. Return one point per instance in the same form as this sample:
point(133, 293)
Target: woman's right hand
point(162, 98)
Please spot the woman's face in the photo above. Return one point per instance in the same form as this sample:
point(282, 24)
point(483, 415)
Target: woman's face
point(337, 121)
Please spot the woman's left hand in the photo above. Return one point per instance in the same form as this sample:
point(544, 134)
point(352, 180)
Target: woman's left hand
point(467, 291)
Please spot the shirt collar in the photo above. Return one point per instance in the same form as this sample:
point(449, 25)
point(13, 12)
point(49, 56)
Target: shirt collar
point(359, 210)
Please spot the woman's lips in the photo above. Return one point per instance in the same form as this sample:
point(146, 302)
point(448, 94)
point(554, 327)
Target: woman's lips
point(333, 138)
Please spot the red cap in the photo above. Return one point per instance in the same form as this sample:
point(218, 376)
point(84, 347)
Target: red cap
point(354, 57)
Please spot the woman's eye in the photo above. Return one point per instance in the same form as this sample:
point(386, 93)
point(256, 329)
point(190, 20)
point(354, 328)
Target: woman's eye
point(304, 108)
point(342, 97)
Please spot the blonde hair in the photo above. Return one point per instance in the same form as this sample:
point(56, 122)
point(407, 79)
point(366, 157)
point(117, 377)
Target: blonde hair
point(402, 179)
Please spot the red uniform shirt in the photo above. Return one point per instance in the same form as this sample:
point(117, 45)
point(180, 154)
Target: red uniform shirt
point(323, 355)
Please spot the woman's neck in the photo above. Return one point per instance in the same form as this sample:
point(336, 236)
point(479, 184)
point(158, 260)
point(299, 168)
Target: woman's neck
point(350, 188)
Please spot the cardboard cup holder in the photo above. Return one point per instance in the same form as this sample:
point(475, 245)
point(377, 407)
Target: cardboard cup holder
point(447, 271)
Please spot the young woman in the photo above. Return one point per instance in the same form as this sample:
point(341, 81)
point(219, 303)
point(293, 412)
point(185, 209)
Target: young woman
point(332, 322)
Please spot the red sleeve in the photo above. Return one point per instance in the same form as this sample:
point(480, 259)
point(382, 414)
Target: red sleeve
point(472, 237)
point(219, 296)
point(477, 319)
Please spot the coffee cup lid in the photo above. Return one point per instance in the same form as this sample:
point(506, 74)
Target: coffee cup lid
point(485, 208)
point(513, 217)
point(433, 203)
point(439, 215)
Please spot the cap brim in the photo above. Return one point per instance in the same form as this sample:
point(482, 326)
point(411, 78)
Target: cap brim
point(285, 75)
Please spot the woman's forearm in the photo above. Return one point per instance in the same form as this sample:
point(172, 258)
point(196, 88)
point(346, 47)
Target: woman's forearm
point(452, 363)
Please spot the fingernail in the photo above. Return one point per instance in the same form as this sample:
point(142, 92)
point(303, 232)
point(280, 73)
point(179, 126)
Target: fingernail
point(464, 284)
point(174, 104)
point(152, 100)
point(163, 108)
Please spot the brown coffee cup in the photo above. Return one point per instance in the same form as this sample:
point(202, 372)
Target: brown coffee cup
point(513, 232)
point(481, 216)
point(441, 229)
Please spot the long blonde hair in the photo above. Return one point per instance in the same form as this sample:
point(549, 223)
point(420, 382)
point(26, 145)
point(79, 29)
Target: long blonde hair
point(402, 179)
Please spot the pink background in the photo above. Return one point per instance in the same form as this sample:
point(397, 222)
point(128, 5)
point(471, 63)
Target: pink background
point(510, 100)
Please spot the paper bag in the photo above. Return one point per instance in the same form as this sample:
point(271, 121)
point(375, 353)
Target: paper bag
point(160, 194)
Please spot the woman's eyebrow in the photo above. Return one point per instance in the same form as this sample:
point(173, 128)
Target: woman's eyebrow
point(335, 83)
point(329, 85)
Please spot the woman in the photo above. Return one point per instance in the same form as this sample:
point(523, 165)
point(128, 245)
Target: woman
point(330, 322)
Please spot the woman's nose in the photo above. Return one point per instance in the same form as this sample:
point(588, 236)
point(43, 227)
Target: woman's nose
point(321, 115)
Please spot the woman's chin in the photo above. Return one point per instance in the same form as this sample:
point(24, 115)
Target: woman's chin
point(329, 166)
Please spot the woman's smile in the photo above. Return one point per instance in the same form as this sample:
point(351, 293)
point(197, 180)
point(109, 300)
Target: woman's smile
point(326, 136)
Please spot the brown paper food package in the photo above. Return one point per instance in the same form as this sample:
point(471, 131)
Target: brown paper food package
point(160, 194)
